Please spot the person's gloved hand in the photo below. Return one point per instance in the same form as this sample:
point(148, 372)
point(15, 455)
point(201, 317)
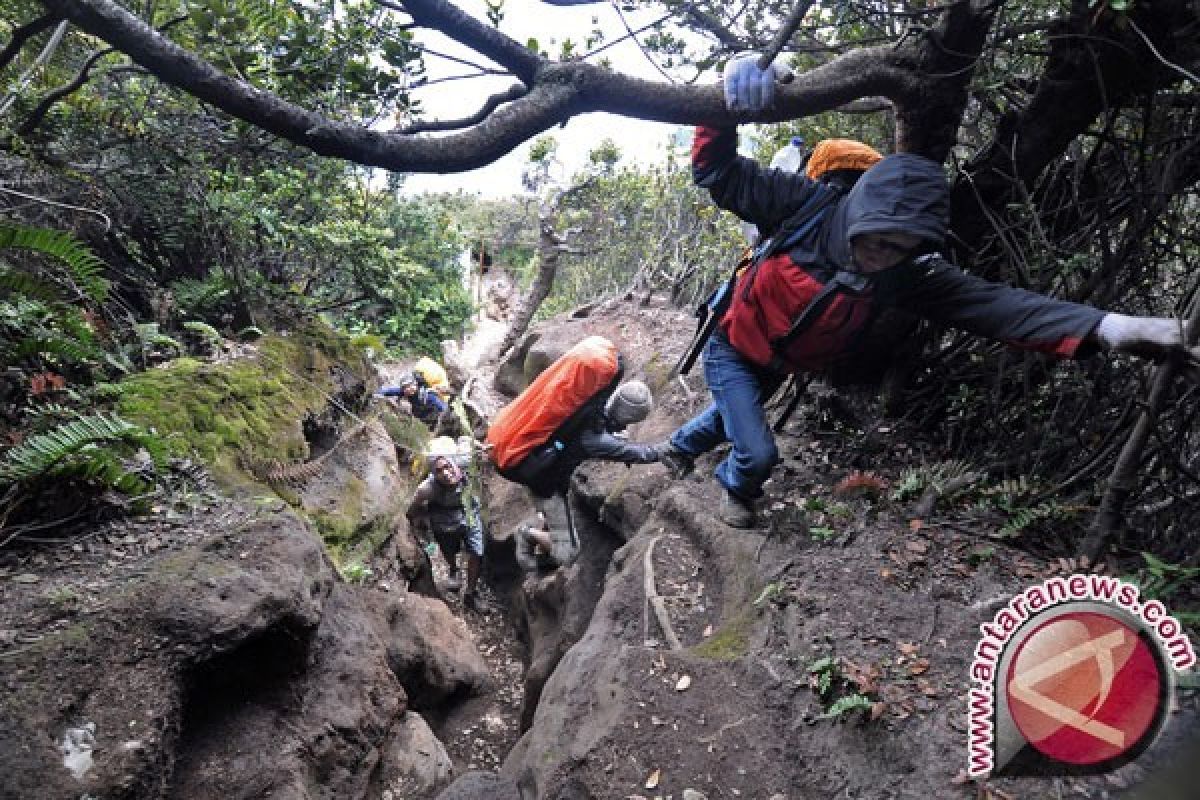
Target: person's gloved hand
point(1149, 337)
point(748, 88)
point(678, 463)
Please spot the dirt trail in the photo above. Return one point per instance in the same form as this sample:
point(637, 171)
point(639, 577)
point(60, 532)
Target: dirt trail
point(479, 732)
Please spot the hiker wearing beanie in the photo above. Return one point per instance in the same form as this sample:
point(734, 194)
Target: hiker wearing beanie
point(836, 258)
point(551, 541)
point(426, 404)
point(440, 507)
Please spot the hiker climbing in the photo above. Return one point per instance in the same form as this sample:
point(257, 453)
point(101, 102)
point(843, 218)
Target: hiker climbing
point(441, 507)
point(570, 413)
point(426, 404)
point(830, 259)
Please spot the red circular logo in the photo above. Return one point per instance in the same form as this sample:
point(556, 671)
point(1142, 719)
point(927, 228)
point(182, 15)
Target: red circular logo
point(1084, 688)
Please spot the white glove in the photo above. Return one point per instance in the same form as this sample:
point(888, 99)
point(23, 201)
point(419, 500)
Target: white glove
point(1149, 337)
point(748, 88)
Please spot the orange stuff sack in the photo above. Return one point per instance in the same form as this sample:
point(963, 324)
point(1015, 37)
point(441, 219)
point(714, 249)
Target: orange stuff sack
point(565, 386)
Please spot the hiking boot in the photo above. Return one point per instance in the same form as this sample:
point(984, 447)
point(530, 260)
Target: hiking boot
point(678, 463)
point(736, 512)
point(453, 583)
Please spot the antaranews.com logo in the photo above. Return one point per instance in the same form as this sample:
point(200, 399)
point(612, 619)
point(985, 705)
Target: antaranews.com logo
point(1073, 675)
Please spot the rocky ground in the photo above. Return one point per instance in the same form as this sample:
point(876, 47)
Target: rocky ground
point(211, 649)
point(714, 662)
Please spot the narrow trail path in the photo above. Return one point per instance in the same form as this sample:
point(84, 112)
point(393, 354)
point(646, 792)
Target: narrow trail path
point(479, 732)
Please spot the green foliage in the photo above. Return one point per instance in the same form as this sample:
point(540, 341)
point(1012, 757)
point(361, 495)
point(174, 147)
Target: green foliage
point(45, 303)
point(1162, 580)
point(88, 447)
point(356, 572)
point(154, 341)
point(1023, 518)
point(822, 534)
point(1012, 496)
point(203, 331)
point(769, 591)
point(916, 480)
point(978, 555)
point(85, 270)
point(831, 686)
point(207, 297)
point(642, 229)
point(847, 704)
point(826, 671)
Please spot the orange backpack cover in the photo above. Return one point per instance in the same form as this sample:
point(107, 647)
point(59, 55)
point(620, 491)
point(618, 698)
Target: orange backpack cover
point(551, 399)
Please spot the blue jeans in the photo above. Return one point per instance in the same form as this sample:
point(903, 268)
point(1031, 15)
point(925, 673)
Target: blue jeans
point(739, 390)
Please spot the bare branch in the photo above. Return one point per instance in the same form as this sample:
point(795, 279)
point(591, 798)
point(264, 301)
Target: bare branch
point(23, 34)
point(513, 92)
point(39, 113)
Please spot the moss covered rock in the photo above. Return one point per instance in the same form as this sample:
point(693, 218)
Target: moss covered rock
point(254, 409)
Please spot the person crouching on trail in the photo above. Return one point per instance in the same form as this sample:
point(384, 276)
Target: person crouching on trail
point(439, 506)
point(426, 404)
point(806, 298)
point(552, 541)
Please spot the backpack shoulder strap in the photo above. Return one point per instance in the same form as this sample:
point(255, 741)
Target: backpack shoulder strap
point(801, 223)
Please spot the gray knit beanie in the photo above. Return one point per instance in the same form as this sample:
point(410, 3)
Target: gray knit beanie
point(630, 403)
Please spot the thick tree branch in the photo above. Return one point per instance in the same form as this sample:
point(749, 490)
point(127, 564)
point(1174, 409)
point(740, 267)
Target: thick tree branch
point(467, 30)
point(928, 119)
point(559, 91)
point(1095, 63)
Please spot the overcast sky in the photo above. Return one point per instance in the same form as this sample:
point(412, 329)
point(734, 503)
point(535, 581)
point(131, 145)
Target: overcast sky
point(640, 141)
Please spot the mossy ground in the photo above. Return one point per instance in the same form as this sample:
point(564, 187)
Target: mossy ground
point(249, 410)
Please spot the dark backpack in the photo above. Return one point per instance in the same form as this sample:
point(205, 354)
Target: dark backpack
point(710, 313)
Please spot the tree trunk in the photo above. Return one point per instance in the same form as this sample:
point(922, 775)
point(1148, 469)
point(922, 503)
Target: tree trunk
point(549, 248)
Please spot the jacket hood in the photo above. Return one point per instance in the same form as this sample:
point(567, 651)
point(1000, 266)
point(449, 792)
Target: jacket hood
point(903, 193)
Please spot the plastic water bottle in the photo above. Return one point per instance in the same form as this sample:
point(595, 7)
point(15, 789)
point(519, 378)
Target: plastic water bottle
point(790, 157)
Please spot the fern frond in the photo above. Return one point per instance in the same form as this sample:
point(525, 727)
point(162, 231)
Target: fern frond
point(1023, 518)
point(81, 447)
point(150, 336)
point(69, 350)
point(843, 705)
point(15, 282)
point(86, 269)
point(203, 330)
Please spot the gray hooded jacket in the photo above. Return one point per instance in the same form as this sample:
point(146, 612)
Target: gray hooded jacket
point(902, 193)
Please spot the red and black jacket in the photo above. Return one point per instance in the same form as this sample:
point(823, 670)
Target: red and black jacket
point(904, 193)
